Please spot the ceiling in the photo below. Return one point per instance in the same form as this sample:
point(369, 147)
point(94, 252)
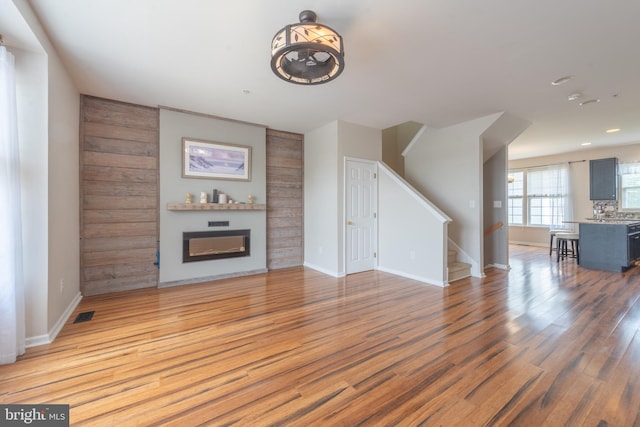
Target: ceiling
point(436, 62)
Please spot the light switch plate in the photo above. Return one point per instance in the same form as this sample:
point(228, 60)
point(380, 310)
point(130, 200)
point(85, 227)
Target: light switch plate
point(497, 203)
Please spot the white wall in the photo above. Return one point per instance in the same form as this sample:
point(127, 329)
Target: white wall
point(48, 130)
point(321, 187)
point(579, 175)
point(31, 76)
point(173, 187)
point(412, 234)
point(495, 191)
point(394, 141)
point(325, 153)
point(445, 165)
point(354, 142)
point(64, 193)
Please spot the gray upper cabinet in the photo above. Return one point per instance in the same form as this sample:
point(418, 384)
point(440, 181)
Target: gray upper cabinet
point(603, 179)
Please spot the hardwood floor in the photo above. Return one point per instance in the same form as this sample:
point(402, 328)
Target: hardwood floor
point(544, 344)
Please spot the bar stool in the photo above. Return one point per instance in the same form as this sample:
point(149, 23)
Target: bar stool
point(552, 234)
point(562, 246)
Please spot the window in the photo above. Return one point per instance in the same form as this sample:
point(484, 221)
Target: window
point(515, 193)
point(540, 196)
point(629, 186)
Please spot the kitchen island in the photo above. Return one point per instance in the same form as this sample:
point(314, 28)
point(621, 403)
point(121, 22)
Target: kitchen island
point(612, 245)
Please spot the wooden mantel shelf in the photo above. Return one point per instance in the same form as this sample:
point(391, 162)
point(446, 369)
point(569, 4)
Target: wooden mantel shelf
point(216, 207)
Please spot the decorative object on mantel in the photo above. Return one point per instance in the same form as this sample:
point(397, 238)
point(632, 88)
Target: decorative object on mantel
point(222, 198)
point(203, 197)
point(307, 53)
point(187, 198)
point(250, 199)
point(215, 160)
point(216, 207)
point(214, 196)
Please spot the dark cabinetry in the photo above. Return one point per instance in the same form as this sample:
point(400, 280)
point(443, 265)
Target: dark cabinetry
point(634, 243)
point(603, 179)
point(612, 247)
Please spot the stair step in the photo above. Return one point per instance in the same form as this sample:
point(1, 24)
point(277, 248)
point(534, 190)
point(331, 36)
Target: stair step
point(458, 270)
point(452, 256)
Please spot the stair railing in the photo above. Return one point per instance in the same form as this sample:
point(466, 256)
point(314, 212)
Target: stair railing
point(493, 228)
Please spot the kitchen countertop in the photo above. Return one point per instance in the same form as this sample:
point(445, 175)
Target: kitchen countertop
point(625, 221)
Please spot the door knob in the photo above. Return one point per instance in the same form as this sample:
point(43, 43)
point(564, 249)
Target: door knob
point(349, 223)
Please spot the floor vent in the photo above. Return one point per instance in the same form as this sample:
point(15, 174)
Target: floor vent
point(84, 317)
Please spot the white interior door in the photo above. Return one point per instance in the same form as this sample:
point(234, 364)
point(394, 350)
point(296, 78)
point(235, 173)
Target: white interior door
point(360, 228)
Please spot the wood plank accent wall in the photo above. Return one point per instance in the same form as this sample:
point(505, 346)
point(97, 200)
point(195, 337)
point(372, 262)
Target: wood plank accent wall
point(285, 199)
point(119, 195)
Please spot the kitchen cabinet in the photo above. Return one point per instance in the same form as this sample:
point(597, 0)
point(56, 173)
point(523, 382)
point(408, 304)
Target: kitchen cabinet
point(603, 179)
point(609, 246)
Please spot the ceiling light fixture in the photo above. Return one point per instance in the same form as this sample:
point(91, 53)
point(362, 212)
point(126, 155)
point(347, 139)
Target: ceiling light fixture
point(307, 53)
point(574, 96)
point(613, 130)
point(584, 144)
point(561, 80)
point(591, 101)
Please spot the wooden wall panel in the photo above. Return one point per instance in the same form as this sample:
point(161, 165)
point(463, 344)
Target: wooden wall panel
point(119, 195)
point(118, 174)
point(285, 199)
point(119, 215)
point(118, 146)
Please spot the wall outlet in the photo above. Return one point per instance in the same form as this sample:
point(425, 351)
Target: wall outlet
point(412, 255)
point(61, 285)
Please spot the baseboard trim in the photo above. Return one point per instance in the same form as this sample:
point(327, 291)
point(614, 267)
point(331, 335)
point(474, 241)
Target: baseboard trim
point(37, 340)
point(499, 266)
point(53, 333)
point(414, 277)
point(517, 242)
point(211, 278)
point(335, 274)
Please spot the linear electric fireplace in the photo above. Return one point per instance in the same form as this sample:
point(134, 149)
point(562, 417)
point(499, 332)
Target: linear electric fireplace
point(206, 245)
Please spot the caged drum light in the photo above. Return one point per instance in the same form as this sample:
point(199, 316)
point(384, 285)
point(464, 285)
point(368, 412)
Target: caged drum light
point(307, 53)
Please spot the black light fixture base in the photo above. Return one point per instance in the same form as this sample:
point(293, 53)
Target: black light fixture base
point(307, 16)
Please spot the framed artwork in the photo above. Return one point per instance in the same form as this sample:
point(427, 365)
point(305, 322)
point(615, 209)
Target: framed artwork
point(215, 160)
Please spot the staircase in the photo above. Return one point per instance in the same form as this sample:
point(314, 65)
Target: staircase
point(457, 270)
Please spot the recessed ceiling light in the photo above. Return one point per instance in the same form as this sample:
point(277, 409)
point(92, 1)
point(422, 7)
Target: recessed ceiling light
point(591, 101)
point(584, 144)
point(246, 91)
point(574, 96)
point(613, 130)
point(561, 80)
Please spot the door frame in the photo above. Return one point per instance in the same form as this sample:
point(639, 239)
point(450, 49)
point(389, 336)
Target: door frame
point(374, 203)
